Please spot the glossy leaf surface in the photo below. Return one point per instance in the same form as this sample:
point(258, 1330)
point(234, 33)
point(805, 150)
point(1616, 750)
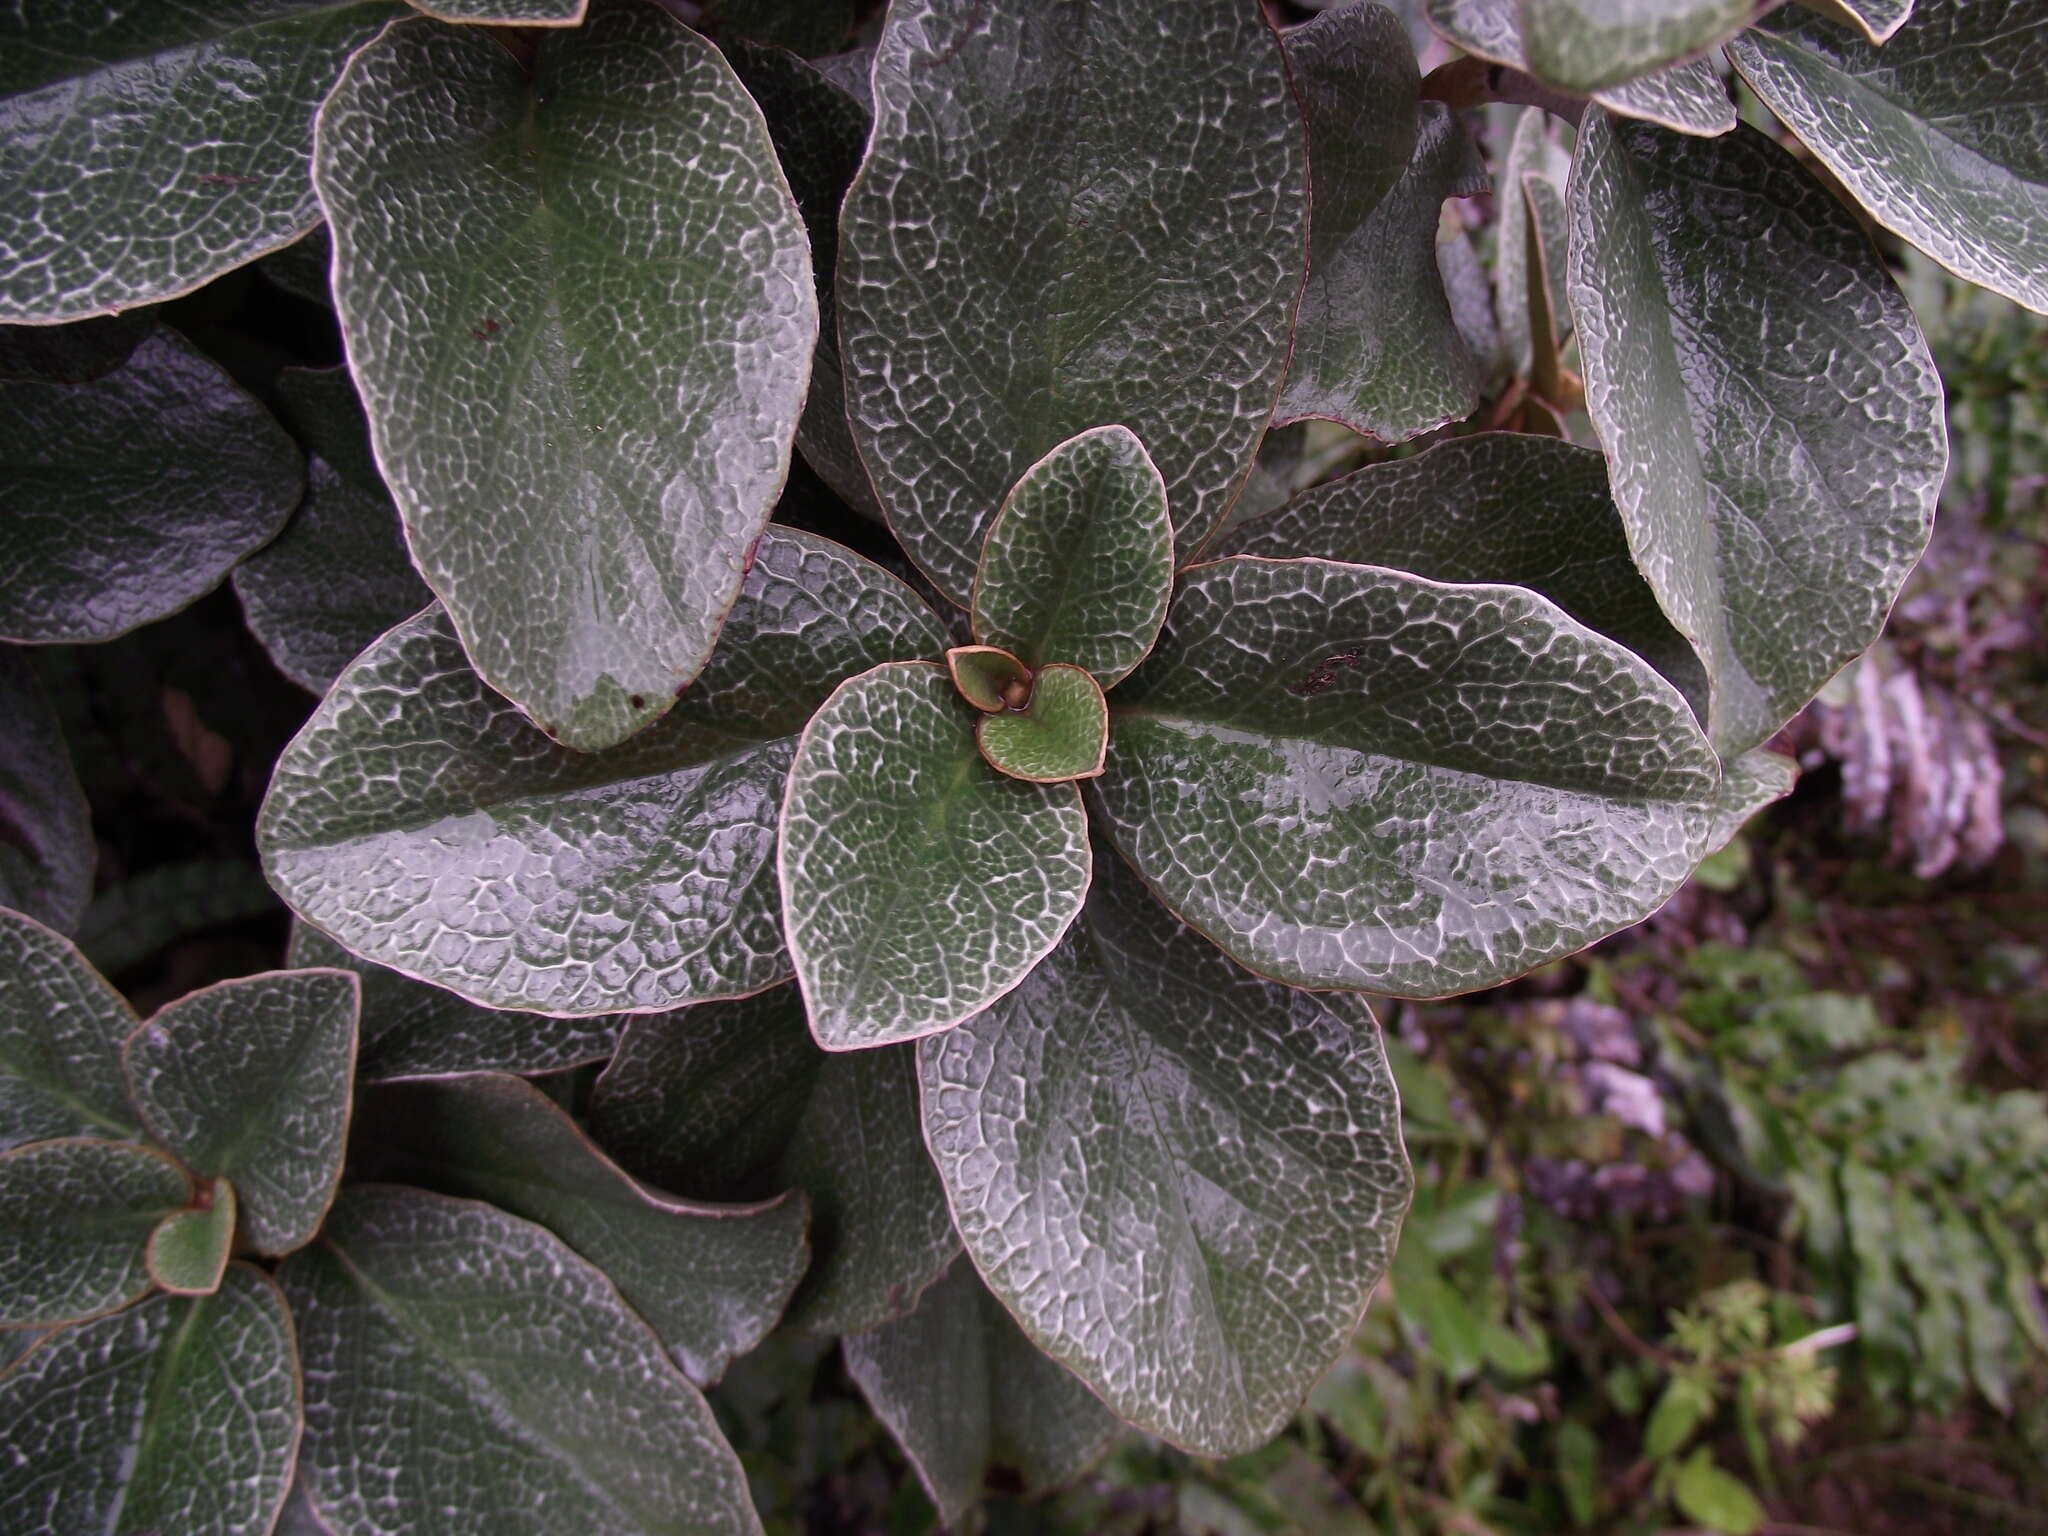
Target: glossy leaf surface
point(249, 1080)
point(1584, 44)
point(466, 1369)
point(1879, 19)
point(1183, 1181)
point(1772, 420)
point(1375, 346)
point(411, 1029)
point(579, 308)
point(180, 1414)
point(1024, 211)
point(1485, 783)
point(507, 13)
point(734, 1101)
point(710, 1280)
point(1939, 133)
point(1688, 97)
point(1500, 507)
point(74, 1218)
point(61, 1028)
point(146, 148)
point(918, 884)
point(964, 1393)
point(188, 1251)
point(130, 494)
point(1531, 153)
point(339, 575)
point(1078, 565)
point(1748, 784)
point(986, 677)
point(46, 845)
point(1061, 734)
point(421, 820)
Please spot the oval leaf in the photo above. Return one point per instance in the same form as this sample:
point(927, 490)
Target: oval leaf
point(583, 369)
point(1023, 213)
point(1486, 783)
point(147, 148)
point(710, 1280)
point(61, 1028)
point(918, 884)
point(1771, 417)
point(188, 1251)
point(527, 1383)
point(1585, 44)
point(131, 494)
point(1928, 132)
point(339, 575)
point(249, 1080)
point(1499, 507)
point(46, 846)
point(178, 1415)
point(734, 1101)
point(521, 874)
point(1078, 565)
point(988, 678)
point(1061, 734)
point(75, 1216)
point(1184, 1182)
point(965, 1393)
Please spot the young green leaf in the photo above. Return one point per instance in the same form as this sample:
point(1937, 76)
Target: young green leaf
point(177, 1415)
point(527, 1384)
point(1485, 783)
point(988, 678)
point(1061, 734)
point(249, 1080)
point(1078, 564)
point(1937, 133)
point(711, 1280)
point(1585, 44)
point(918, 884)
point(521, 874)
point(46, 844)
point(1502, 507)
point(1714, 282)
point(147, 148)
point(734, 1101)
point(1530, 153)
point(1028, 210)
point(1717, 1499)
point(188, 1252)
point(61, 1028)
point(964, 1392)
point(75, 1216)
point(132, 493)
point(583, 369)
point(339, 575)
point(1183, 1181)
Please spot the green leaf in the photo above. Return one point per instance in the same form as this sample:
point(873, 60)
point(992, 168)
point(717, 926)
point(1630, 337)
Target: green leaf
point(143, 916)
point(74, 1218)
point(46, 845)
point(410, 1029)
point(339, 575)
point(507, 13)
point(1685, 1403)
point(1530, 154)
point(188, 1252)
point(1183, 1181)
point(521, 874)
point(1024, 211)
point(1375, 346)
point(1937, 133)
point(147, 148)
point(177, 1415)
point(734, 1101)
point(1486, 783)
point(1879, 19)
point(250, 1080)
point(1585, 44)
point(988, 678)
point(61, 1028)
point(1060, 734)
point(710, 1280)
point(1578, 1470)
point(1687, 97)
point(527, 1385)
point(964, 1393)
point(132, 493)
point(1714, 281)
point(918, 884)
point(583, 371)
point(1991, 1332)
point(1748, 784)
point(1500, 507)
point(1715, 1498)
point(1078, 564)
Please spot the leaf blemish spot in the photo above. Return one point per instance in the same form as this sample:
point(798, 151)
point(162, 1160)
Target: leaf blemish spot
point(1323, 673)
